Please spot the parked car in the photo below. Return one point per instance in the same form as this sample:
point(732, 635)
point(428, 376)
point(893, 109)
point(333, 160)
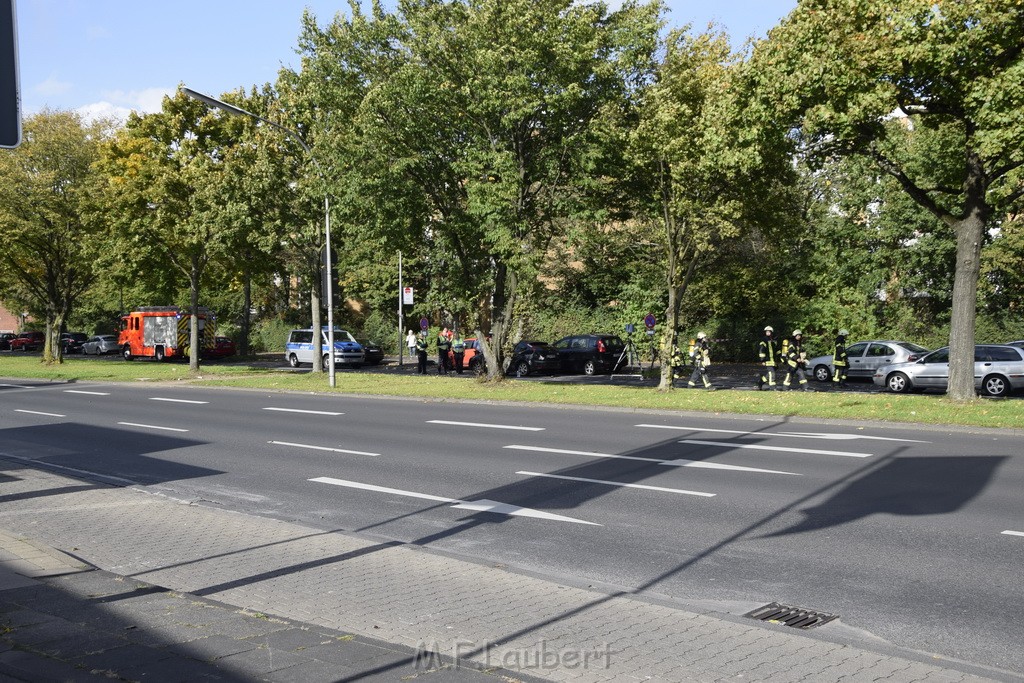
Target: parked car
point(222, 348)
point(998, 370)
point(5, 340)
point(866, 357)
point(373, 354)
point(298, 349)
point(533, 357)
point(1019, 342)
point(101, 344)
point(71, 342)
point(28, 341)
point(589, 353)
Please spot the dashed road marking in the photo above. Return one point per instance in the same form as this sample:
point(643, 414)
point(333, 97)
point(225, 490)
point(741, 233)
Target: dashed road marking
point(90, 393)
point(37, 412)
point(781, 449)
point(619, 483)
point(308, 412)
point(700, 464)
point(1014, 533)
point(177, 400)
point(483, 424)
point(321, 448)
point(166, 429)
point(795, 435)
point(483, 505)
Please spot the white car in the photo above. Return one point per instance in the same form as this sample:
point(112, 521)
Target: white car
point(998, 370)
point(866, 357)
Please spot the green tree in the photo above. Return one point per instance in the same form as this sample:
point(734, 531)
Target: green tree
point(50, 243)
point(166, 185)
point(841, 70)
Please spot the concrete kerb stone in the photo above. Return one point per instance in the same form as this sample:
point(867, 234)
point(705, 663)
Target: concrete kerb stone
point(391, 592)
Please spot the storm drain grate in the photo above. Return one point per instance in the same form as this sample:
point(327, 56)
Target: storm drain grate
point(796, 617)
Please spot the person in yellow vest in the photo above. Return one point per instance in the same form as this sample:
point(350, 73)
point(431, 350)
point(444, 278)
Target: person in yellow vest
point(421, 353)
point(840, 362)
point(444, 345)
point(795, 358)
point(768, 354)
point(700, 354)
point(458, 351)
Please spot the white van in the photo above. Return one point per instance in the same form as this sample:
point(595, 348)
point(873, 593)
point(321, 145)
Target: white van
point(299, 349)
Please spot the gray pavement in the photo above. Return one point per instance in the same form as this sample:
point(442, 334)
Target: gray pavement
point(122, 583)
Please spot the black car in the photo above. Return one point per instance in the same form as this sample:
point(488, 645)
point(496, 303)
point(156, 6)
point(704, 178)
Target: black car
point(5, 341)
point(71, 342)
point(373, 354)
point(532, 357)
point(589, 353)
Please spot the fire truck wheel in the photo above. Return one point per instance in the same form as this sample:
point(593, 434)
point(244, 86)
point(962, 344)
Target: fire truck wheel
point(127, 352)
point(159, 354)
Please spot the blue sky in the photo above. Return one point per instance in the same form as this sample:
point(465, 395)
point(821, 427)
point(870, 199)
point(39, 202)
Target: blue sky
point(103, 57)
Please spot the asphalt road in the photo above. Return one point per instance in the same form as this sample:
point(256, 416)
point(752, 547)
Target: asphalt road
point(903, 532)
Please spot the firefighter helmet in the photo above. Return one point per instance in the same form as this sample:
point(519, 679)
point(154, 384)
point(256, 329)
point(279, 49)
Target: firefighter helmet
point(769, 329)
point(701, 335)
point(797, 333)
point(843, 333)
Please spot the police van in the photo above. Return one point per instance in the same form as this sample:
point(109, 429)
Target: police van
point(298, 350)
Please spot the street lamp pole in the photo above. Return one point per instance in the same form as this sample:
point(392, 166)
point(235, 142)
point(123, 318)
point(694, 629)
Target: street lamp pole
point(238, 111)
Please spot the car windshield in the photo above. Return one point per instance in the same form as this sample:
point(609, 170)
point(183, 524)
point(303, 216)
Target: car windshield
point(912, 347)
point(340, 336)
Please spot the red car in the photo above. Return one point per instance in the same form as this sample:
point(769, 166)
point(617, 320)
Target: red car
point(222, 348)
point(28, 341)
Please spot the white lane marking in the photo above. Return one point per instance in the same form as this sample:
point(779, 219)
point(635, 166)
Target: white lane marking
point(322, 448)
point(701, 464)
point(166, 429)
point(477, 505)
point(675, 463)
point(16, 386)
point(50, 465)
point(589, 454)
point(1014, 533)
point(36, 412)
point(308, 412)
point(619, 483)
point(177, 400)
point(758, 447)
point(90, 393)
point(489, 426)
point(795, 435)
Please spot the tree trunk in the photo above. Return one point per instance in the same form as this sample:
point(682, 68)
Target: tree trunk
point(194, 344)
point(318, 347)
point(505, 284)
point(969, 233)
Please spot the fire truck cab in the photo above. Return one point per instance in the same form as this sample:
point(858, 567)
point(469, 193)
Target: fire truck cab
point(163, 332)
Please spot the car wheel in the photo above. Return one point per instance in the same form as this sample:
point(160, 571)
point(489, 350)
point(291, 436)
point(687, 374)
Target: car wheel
point(326, 363)
point(822, 373)
point(127, 352)
point(589, 368)
point(159, 355)
point(995, 385)
point(522, 369)
point(898, 383)
point(293, 360)
point(478, 367)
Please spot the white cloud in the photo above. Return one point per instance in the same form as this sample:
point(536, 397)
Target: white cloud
point(51, 87)
point(145, 101)
point(103, 110)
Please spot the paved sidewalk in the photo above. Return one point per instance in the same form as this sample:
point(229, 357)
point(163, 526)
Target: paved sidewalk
point(250, 598)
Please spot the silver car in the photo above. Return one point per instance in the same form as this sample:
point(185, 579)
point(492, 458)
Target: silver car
point(867, 357)
point(100, 344)
point(998, 370)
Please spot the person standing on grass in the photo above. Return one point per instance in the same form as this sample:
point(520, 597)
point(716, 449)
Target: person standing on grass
point(421, 353)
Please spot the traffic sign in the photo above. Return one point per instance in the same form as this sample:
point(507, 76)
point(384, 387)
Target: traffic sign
point(424, 324)
point(10, 93)
point(650, 321)
point(407, 296)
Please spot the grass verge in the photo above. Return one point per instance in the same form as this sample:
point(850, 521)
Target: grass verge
point(926, 409)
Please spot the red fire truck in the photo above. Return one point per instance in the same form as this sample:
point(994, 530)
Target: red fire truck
point(163, 332)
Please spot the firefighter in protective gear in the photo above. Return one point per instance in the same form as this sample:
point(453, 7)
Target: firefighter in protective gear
point(701, 356)
point(840, 362)
point(768, 354)
point(678, 360)
point(796, 362)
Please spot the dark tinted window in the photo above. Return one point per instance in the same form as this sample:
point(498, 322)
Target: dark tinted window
point(563, 343)
point(856, 349)
point(940, 356)
point(877, 350)
point(301, 337)
point(913, 348)
point(521, 346)
point(613, 343)
point(997, 353)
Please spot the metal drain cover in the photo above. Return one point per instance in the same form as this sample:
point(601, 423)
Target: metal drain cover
point(795, 617)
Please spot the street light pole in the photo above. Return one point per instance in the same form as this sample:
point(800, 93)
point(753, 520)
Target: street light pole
point(238, 111)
